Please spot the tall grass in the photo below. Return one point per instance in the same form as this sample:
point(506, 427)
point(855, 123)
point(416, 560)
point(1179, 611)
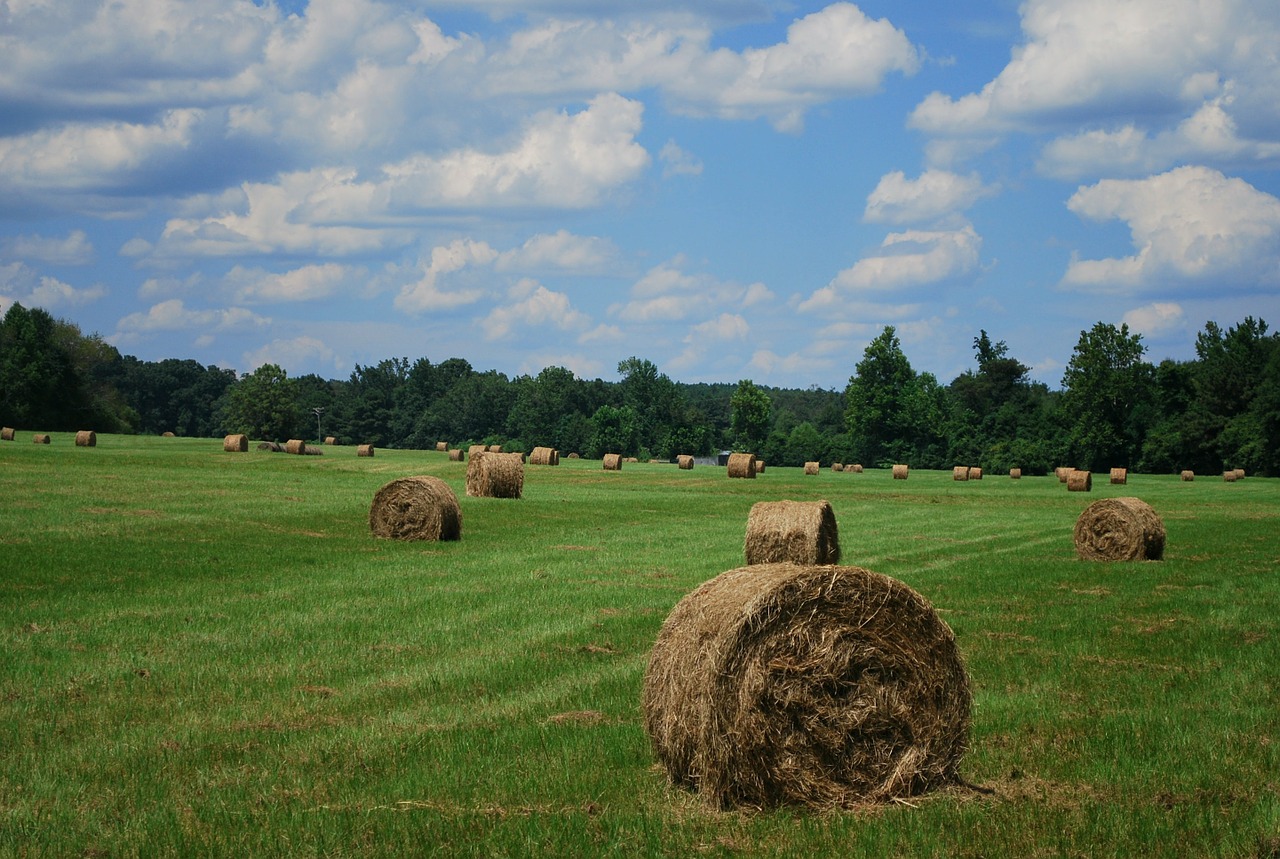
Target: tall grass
point(206, 653)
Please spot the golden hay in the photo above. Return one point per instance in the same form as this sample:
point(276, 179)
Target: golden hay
point(900, 472)
point(802, 532)
point(811, 467)
point(330, 440)
point(364, 450)
point(857, 468)
point(742, 465)
point(1119, 529)
point(493, 448)
point(168, 435)
point(837, 466)
point(1239, 472)
point(1230, 476)
point(1119, 476)
point(544, 456)
point(1079, 481)
point(86, 438)
point(40, 438)
point(6, 434)
point(235, 443)
point(474, 449)
point(416, 508)
point(759, 466)
point(442, 446)
point(685, 462)
point(960, 472)
point(456, 455)
point(1063, 472)
point(1015, 473)
point(1188, 476)
point(295, 445)
point(821, 686)
point(975, 473)
point(612, 462)
point(495, 475)
point(574, 456)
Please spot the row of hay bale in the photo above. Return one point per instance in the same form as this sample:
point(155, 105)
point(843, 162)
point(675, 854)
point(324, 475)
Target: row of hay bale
point(426, 508)
point(84, 438)
point(239, 443)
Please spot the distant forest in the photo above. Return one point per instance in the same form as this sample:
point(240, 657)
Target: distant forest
point(1115, 409)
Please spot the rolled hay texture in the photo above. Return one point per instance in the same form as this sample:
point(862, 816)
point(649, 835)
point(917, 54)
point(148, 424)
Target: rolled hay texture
point(1188, 476)
point(6, 434)
point(900, 472)
point(1119, 476)
point(612, 462)
point(838, 467)
point(857, 468)
point(1063, 472)
point(802, 532)
point(364, 450)
point(295, 445)
point(86, 438)
point(811, 467)
point(442, 446)
point(40, 438)
point(1119, 529)
point(235, 443)
point(1230, 476)
point(821, 686)
point(685, 462)
point(1239, 472)
point(474, 449)
point(456, 455)
point(416, 508)
point(759, 466)
point(975, 473)
point(493, 448)
point(544, 456)
point(273, 446)
point(495, 475)
point(330, 440)
point(168, 435)
point(1015, 473)
point(744, 465)
point(1080, 481)
point(960, 472)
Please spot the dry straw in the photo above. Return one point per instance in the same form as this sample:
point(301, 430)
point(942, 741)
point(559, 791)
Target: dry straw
point(86, 438)
point(1015, 473)
point(456, 455)
point(364, 450)
point(416, 508)
point(1119, 529)
point(685, 462)
point(811, 467)
point(442, 446)
point(1239, 473)
point(168, 435)
point(821, 686)
point(544, 456)
point(837, 466)
point(975, 473)
point(40, 438)
point(1080, 481)
point(900, 472)
point(612, 462)
point(6, 434)
point(960, 472)
point(1063, 472)
point(744, 465)
point(802, 532)
point(493, 448)
point(1188, 476)
point(330, 440)
point(235, 443)
point(857, 468)
point(295, 445)
point(495, 475)
point(474, 449)
point(759, 466)
point(1119, 476)
point(273, 446)
point(1230, 476)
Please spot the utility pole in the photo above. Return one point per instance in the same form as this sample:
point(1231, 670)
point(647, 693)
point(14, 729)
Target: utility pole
point(319, 410)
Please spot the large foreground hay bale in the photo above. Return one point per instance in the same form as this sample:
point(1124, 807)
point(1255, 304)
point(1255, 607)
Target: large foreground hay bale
point(1080, 481)
point(612, 462)
point(1188, 476)
point(86, 438)
point(235, 443)
point(40, 438)
point(822, 686)
point(811, 467)
point(900, 472)
point(742, 465)
point(6, 434)
point(685, 462)
point(544, 456)
point(960, 472)
point(364, 450)
point(1119, 476)
point(495, 475)
point(295, 445)
point(1119, 529)
point(802, 532)
point(416, 508)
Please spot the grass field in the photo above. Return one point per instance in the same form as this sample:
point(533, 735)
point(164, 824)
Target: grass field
point(206, 653)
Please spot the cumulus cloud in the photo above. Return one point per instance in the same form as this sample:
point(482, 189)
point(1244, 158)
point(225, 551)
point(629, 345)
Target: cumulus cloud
point(667, 293)
point(678, 162)
point(559, 251)
point(936, 193)
point(427, 293)
point(293, 352)
point(174, 315)
point(1191, 225)
point(22, 284)
point(256, 286)
point(534, 305)
point(74, 249)
point(1155, 319)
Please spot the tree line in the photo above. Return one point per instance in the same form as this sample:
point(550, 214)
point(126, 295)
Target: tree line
point(1114, 409)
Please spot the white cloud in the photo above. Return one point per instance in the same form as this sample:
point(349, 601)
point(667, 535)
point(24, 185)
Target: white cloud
point(559, 251)
point(298, 351)
point(667, 293)
point(75, 249)
point(911, 258)
point(22, 284)
point(1155, 319)
point(1189, 225)
point(427, 293)
point(677, 162)
point(535, 306)
point(936, 193)
point(173, 315)
point(256, 286)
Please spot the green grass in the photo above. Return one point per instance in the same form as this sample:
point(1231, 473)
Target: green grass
point(205, 653)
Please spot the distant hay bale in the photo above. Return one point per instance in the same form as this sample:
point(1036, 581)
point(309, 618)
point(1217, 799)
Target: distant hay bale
point(1239, 473)
point(1188, 476)
point(1119, 476)
point(364, 450)
point(819, 686)
point(495, 475)
point(442, 446)
point(837, 467)
point(493, 448)
point(474, 449)
point(1063, 472)
point(40, 438)
point(612, 462)
point(1119, 529)
point(544, 456)
point(574, 456)
point(1015, 473)
point(631, 459)
point(960, 472)
point(900, 472)
point(685, 462)
point(235, 443)
point(1080, 481)
point(759, 466)
point(330, 440)
point(416, 508)
point(975, 473)
point(295, 445)
point(86, 438)
point(811, 467)
point(312, 450)
point(273, 446)
point(802, 532)
point(1230, 476)
point(6, 434)
point(167, 434)
point(857, 468)
point(742, 465)
point(456, 455)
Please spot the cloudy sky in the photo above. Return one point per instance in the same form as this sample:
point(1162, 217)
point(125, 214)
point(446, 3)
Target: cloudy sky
point(728, 188)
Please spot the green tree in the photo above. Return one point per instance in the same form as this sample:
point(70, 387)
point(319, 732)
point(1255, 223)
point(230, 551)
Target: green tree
point(263, 404)
point(876, 410)
point(752, 414)
point(614, 429)
point(1107, 398)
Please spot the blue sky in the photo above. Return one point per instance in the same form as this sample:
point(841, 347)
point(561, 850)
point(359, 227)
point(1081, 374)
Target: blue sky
point(729, 188)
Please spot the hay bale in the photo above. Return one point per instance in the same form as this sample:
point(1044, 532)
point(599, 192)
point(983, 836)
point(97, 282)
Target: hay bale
point(742, 465)
point(495, 475)
point(1119, 529)
point(1188, 476)
point(40, 438)
point(1119, 476)
point(900, 472)
point(493, 448)
point(364, 450)
point(442, 446)
point(759, 466)
point(6, 434)
point(822, 686)
point(960, 472)
point(837, 467)
point(975, 473)
point(544, 456)
point(295, 445)
point(86, 438)
point(1239, 472)
point(574, 456)
point(331, 440)
point(456, 455)
point(168, 434)
point(236, 443)
point(802, 532)
point(312, 450)
point(273, 446)
point(685, 462)
point(416, 508)
point(1015, 473)
point(631, 459)
point(811, 467)
point(1079, 481)
point(474, 449)
point(1230, 476)
point(1063, 472)
point(857, 468)
point(612, 462)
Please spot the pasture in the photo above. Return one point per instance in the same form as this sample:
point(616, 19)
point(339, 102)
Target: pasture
point(207, 653)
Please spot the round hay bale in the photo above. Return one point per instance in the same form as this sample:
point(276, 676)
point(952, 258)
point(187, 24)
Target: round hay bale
point(685, 462)
point(364, 450)
point(1119, 476)
point(742, 465)
point(1188, 476)
point(837, 466)
point(631, 459)
point(474, 449)
point(960, 472)
point(574, 456)
point(1239, 472)
point(802, 532)
point(235, 443)
point(1119, 529)
point(1080, 481)
point(331, 440)
point(857, 468)
point(312, 450)
point(612, 462)
point(6, 434)
point(168, 434)
point(975, 473)
point(495, 475)
point(273, 446)
point(900, 472)
point(493, 448)
point(544, 456)
point(811, 467)
point(759, 466)
point(40, 438)
point(86, 438)
point(1015, 473)
point(416, 508)
point(442, 446)
point(295, 445)
point(456, 455)
point(821, 686)
point(1230, 476)
point(1063, 472)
